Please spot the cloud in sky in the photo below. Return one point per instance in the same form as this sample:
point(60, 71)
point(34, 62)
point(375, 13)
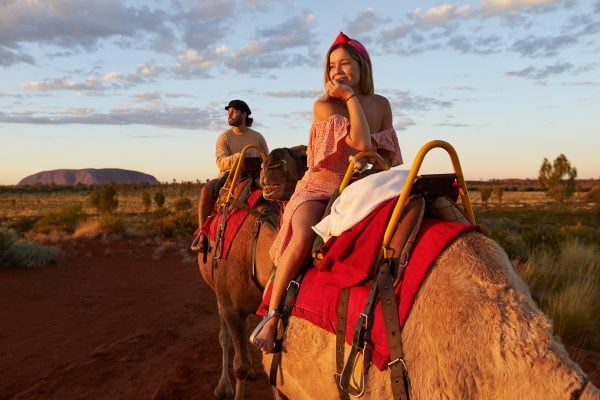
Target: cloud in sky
point(72, 24)
point(442, 15)
point(366, 21)
point(299, 94)
point(271, 48)
point(498, 6)
point(204, 42)
point(160, 116)
point(542, 73)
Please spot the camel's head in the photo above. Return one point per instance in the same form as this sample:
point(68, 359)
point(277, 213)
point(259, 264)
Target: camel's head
point(280, 172)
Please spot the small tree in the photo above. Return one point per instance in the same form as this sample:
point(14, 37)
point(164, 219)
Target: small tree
point(146, 200)
point(486, 193)
point(499, 193)
point(558, 178)
point(105, 199)
point(159, 199)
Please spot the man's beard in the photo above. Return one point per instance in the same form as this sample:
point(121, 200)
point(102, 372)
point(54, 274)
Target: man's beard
point(235, 121)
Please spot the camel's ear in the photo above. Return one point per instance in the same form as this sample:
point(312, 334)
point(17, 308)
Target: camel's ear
point(299, 154)
point(300, 149)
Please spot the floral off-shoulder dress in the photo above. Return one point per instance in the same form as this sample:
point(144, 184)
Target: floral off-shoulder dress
point(328, 156)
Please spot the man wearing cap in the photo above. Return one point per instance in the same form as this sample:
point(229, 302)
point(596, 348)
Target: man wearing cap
point(227, 150)
point(231, 142)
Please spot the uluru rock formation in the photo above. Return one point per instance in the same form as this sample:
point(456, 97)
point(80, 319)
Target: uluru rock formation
point(87, 176)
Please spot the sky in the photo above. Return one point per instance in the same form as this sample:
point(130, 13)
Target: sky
point(142, 84)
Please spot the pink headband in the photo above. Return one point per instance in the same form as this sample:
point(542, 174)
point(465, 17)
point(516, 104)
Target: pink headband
point(343, 39)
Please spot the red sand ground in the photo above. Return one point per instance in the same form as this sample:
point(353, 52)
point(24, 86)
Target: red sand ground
point(119, 320)
point(111, 322)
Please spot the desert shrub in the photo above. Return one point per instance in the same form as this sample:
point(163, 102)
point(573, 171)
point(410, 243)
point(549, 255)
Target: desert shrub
point(507, 233)
point(111, 224)
point(485, 193)
point(543, 236)
point(575, 313)
point(147, 201)
point(7, 239)
point(104, 199)
point(159, 199)
point(65, 219)
point(512, 243)
point(183, 204)
point(170, 225)
point(566, 285)
point(499, 193)
point(583, 233)
point(29, 255)
point(500, 224)
point(23, 224)
point(593, 195)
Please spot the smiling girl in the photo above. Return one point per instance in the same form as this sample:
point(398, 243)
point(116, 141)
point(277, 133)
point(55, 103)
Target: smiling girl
point(347, 119)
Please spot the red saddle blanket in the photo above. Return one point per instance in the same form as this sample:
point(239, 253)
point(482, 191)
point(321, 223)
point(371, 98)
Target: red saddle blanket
point(234, 222)
point(347, 262)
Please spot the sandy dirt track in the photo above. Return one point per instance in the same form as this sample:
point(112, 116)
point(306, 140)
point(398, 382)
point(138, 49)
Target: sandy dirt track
point(118, 320)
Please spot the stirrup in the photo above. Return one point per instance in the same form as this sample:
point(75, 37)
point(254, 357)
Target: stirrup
point(277, 343)
point(200, 243)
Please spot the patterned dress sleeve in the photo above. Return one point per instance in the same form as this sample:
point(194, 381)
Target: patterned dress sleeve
point(386, 144)
point(325, 138)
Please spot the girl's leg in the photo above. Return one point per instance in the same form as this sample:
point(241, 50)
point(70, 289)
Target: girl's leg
point(307, 215)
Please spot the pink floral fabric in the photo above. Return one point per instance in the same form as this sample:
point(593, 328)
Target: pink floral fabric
point(327, 158)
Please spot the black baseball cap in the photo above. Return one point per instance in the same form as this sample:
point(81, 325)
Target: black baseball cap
point(239, 105)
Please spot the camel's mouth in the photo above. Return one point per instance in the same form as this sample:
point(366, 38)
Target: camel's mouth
point(270, 191)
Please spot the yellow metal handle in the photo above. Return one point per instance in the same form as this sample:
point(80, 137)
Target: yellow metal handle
point(237, 167)
point(352, 161)
point(462, 187)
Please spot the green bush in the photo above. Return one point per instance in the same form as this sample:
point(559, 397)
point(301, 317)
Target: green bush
point(23, 225)
point(65, 220)
point(7, 239)
point(565, 282)
point(508, 234)
point(583, 233)
point(159, 199)
point(183, 204)
point(104, 199)
point(111, 224)
point(28, 255)
point(543, 236)
point(180, 223)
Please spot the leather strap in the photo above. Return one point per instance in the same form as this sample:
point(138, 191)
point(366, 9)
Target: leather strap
point(391, 321)
point(255, 233)
point(286, 312)
point(340, 338)
point(360, 342)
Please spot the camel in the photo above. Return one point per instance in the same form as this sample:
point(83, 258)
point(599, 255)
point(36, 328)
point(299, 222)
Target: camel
point(237, 291)
point(474, 332)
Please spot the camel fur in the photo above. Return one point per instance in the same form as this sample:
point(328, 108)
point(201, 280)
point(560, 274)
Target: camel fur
point(474, 332)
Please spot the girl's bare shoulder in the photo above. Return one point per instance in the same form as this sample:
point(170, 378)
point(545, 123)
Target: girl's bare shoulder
point(381, 100)
point(324, 108)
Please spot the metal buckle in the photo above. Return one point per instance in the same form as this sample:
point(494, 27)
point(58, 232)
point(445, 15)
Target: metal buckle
point(352, 391)
point(293, 283)
point(365, 319)
point(396, 361)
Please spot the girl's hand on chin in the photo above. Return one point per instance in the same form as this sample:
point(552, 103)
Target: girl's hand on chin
point(338, 90)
